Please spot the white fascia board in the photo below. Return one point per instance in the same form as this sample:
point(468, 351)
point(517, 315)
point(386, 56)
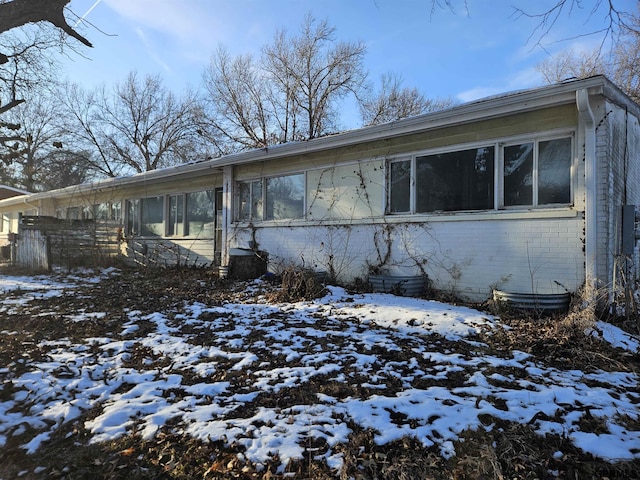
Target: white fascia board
point(498, 106)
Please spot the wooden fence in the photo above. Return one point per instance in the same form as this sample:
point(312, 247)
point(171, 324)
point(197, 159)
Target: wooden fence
point(34, 251)
point(45, 241)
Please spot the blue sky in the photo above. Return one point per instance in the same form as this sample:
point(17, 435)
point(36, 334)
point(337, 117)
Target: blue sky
point(467, 54)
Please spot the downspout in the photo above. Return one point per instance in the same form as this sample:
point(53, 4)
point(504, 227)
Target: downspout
point(227, 202)
point(26, 202)
point(591, 230)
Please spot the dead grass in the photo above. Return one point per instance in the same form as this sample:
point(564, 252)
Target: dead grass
point(501, 450)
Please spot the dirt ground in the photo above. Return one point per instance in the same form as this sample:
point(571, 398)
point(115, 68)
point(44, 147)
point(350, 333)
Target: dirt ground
point(511, 451)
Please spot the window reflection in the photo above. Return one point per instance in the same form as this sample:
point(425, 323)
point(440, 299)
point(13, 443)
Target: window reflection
point(284, 197)
point(518, 174)
point(400, 188)
point(554, 171)
point(461, 180)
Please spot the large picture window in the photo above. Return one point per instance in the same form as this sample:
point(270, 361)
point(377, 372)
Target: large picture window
point(152, 220)
point(451, 181)
point(274, 198)
point(177, 215)
point(200, 215)
point(532, 173)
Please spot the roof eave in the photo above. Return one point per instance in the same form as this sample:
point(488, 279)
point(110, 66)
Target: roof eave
point(493, 107)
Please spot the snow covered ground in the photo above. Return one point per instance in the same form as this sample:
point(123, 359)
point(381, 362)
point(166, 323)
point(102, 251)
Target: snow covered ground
point(378, 361)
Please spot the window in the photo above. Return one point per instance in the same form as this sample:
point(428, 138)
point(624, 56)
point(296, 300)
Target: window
point(400, 188)
point(275, 198)
point(284, 197)
point(200, 218)
point(538, 173)
point(177, 215)
point(152, 221)
point(452, 181)
point(74, 213)
point(532, 173)
point(106, 211)
point(5, 223)
point(175, 222)
point(145, 216)
point(250, 201)
point(132, 209)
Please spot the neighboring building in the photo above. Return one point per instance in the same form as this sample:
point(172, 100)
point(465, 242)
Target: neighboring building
point(8, 192)
point(6, 218)
point(522, 192)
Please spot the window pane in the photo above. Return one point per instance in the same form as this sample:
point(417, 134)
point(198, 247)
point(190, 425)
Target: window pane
point(200, 215)
point(244, 201)
point(554, 171)
point(453, 181)
point(250, 201)
point(133, 217)
point(116, 211)
point(256, 200)
point(176, 214)
point(101, 211)
point(152, 223)
point(400, 187)
point(518, 174)
point(285, 197)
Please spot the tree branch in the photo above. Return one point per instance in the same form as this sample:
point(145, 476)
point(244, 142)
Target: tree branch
point(10, 105)
point(21, 12)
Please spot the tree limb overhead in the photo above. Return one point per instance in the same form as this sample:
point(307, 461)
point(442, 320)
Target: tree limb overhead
point(21, 12)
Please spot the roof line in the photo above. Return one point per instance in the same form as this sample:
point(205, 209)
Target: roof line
point(490, 107)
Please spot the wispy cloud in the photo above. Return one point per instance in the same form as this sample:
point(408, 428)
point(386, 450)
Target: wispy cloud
point(526, 78)
point(193, 24)
point(151, 50)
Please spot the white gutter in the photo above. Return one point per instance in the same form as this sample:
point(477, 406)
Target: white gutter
point(25, 201)
point(591, 231)
point(482, 109)
point(498, 106)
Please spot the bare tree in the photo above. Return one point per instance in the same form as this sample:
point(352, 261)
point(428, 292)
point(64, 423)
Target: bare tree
point(616, 19)
point(17, 13)
point(621, 64)
point(38, 134)
point(319, 70)
point(83, 126)
point(568, 64)
point(63, 167)
point(237, 94)
point(393, 102)
point(291, 93)
point(28, 67)
point(20, 51)
point(137, 126)
point(29, 29)
point(626, 64)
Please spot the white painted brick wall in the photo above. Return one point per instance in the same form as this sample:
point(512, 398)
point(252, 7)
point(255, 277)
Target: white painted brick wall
point(467, 257)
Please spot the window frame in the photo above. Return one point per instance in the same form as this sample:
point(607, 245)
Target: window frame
point(261, 216)
point(413, 177)
point(498, 167)
point(536, 140)
point(133, 215)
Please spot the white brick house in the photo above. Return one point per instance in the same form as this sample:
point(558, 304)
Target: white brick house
point(522, 192)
